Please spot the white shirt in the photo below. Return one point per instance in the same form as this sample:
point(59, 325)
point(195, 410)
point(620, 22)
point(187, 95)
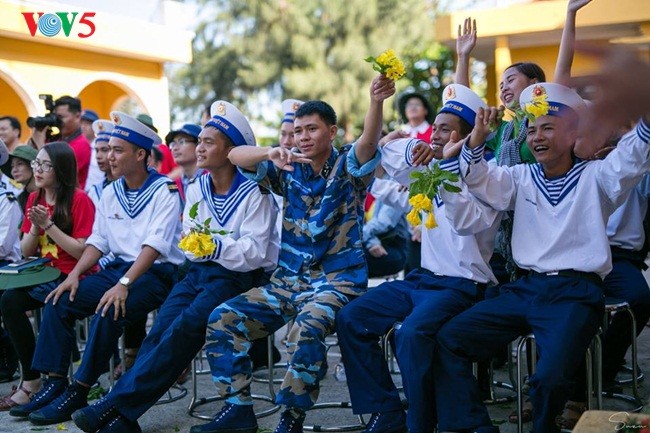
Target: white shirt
point(153, 220)
point(561, 223)
point(462, 244)
point(249, 216)
point(10, 218)
point(625, 225)
point(95, 175)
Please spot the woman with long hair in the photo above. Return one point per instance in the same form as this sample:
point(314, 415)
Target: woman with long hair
point(58, 219)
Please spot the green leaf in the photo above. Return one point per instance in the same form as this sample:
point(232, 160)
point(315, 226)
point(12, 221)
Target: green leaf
point(194, 210)
point(451, 188)
point(207, 222)
point(370, 59)
point(417, 175)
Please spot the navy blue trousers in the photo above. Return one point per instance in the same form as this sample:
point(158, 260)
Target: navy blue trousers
point(177, 334)
point(624, 283)
point(563, 313)
point(56, 337)
point(423, 302)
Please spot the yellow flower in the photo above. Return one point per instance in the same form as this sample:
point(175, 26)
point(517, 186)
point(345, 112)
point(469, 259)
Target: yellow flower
point(421, 202)
point(61, 427)
point(199, 244)
point(537, 107)
point(431, 223)
point(413, 217)
point(396, 71)
point(388, 64)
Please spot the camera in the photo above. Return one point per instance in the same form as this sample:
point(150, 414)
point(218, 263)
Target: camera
point(50, 119)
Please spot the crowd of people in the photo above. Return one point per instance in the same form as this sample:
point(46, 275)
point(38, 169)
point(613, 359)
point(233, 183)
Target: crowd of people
point(541, 222)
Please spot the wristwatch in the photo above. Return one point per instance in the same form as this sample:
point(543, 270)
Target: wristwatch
point(125, 281)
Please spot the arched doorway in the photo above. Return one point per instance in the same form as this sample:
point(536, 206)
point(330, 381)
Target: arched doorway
point(14, 102)
point(106, 96)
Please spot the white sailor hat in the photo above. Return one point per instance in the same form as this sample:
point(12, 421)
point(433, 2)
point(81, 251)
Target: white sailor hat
point(232, 123)
point(550, 99)
point(103, 129)
point(461, 101)
point(289, 108)
point(132, 130)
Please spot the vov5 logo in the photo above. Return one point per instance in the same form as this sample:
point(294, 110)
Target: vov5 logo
point(51, 24)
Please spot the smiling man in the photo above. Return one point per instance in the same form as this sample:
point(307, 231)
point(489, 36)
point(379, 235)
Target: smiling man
point(321, 265)
point(561, 207)
point(136, 282)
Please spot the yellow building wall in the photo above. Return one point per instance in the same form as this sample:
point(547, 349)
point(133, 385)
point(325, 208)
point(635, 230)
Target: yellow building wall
point(123, 60)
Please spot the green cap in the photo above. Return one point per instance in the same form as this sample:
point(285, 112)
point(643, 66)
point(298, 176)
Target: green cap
point(29, 277)
point(28, 153)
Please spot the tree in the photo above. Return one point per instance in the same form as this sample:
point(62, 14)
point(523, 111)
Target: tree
point(304, 50)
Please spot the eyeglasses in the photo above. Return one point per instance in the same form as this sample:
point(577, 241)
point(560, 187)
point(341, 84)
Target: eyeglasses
point(182, 141)
point(45, 167)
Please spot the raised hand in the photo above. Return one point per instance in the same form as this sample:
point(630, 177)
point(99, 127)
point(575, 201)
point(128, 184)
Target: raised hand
point(453, 147)
point(381, 88)
point(466, 40)
point(575, 5)
point(422, 154)
point(487, 119)
point(282, 158)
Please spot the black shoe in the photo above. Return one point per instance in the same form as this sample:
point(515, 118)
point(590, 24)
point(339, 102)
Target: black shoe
point(93, 417)
point(75, 397)
point(232, 418)
point(290, 422)
point(119, 424)
point(387, 422)
point(52, 388)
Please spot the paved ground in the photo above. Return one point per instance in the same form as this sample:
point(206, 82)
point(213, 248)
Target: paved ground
point(173, 417)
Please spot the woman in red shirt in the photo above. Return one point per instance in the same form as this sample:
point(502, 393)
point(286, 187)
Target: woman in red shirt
point(58, 219)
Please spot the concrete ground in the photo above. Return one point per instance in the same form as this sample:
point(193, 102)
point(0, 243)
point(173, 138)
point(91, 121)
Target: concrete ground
point(173, 417)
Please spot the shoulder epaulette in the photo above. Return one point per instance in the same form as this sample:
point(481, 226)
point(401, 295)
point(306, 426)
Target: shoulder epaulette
point(263, 189)
point(172, 186)
point(10, 196)
point(15, 184)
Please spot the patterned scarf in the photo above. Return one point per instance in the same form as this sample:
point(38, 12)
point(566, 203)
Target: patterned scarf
point(509, 155)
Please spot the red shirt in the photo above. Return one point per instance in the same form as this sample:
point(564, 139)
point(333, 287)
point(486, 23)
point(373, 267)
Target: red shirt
point(81, 149)
point(168, 163)
point(83, 216)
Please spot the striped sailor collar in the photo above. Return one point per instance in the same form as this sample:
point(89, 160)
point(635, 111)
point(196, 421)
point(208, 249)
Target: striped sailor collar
point(223, 206)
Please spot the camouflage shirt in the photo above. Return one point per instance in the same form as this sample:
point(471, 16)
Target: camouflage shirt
point(323, 215)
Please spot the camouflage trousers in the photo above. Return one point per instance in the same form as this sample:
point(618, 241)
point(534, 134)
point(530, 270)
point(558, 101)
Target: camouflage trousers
point(311, 299)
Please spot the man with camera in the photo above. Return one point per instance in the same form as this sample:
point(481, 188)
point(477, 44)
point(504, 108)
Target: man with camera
point(64, 114)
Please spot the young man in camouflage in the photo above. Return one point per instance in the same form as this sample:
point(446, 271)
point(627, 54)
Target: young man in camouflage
point(321, 266)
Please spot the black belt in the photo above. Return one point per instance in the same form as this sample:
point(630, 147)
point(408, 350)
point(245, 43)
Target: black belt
point(592, 277)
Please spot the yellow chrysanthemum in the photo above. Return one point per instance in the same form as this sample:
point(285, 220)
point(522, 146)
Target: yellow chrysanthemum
point(537, 107)
point(431, 223)
point(199, 244)
point(413, 217)
point(388, 64)
point(396, 71)
point(421, 202)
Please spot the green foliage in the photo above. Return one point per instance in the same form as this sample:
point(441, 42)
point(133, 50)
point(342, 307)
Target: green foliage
point(307, 50)
point(429, 181)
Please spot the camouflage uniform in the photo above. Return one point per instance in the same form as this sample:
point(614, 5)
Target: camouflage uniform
point(321, 268)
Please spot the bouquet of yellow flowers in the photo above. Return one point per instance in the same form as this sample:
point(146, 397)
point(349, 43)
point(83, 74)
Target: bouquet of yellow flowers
point(199, 240)
point(539, 104)
point(422, 191)
point(388, 64)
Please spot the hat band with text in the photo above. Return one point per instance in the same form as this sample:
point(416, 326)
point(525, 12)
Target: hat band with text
point(132, 137)
point(460, 110)
point(228, 129)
